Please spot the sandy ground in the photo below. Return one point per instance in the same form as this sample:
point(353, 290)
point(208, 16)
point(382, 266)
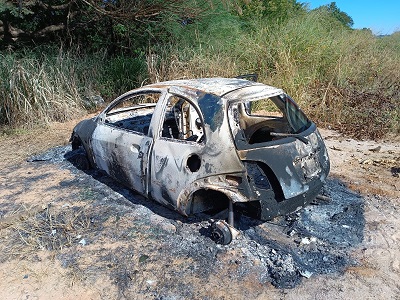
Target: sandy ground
point(58, 242)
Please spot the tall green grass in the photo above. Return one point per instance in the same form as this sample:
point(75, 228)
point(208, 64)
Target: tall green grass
point(46, 85)
point(345, 79)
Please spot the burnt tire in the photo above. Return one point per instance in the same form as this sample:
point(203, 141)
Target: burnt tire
point(81, 162)
point(220, 233)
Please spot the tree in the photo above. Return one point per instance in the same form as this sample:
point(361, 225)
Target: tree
point(341, 16)
point(117, 25)
point(33, 21)
point(271, 10)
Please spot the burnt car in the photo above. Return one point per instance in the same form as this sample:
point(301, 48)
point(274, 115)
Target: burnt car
point(209, 144)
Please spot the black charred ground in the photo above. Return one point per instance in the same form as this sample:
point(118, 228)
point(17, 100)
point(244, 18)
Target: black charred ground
point(317, 239)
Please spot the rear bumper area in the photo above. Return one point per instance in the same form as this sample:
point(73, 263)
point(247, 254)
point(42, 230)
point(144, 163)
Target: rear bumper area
point(268, 211)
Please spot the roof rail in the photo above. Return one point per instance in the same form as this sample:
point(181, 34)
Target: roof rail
point(251, 77)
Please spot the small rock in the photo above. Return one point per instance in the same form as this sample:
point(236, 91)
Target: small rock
point(367, 161)
point(143, 258)
point(169, 227)
point(376, 149)
point(306, 274)
point(82, 242)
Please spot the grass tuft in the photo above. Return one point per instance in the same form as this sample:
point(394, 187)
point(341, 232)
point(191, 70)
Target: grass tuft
point(30, 229)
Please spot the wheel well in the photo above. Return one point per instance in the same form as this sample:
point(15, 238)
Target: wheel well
point(76, 142)
point(273, 180)
point(205, 200)
point(78, 145)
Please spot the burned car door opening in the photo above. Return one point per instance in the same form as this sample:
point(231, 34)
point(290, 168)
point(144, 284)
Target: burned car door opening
point(177, 151)
point(210, 144)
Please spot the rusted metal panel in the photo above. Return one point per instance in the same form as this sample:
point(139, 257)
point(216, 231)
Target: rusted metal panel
point(216, 86)
point(291, 163)
point(253, 93)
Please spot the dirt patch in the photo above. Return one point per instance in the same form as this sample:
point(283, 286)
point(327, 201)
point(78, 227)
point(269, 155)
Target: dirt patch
point(368, 167)
point(65, 234)
point(17, 147)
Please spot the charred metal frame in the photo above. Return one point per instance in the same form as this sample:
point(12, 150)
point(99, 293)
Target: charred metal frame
point(220, 169)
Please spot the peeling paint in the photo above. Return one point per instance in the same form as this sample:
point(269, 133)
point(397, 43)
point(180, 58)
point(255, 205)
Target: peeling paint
point(288, 171)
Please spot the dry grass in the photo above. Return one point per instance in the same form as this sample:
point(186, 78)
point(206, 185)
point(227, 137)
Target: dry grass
point(35, 91)
point(30, 229)
point(345, 79)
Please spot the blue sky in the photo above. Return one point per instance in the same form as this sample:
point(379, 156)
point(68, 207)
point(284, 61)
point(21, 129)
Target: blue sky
point(381, 16)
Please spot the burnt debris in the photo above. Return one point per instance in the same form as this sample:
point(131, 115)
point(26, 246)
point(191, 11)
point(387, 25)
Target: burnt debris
point(315, 240)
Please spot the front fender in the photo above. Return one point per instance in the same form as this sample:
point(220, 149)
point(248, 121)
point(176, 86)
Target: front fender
point(82, 135)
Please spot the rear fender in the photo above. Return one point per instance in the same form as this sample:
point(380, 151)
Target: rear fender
point(219, 184)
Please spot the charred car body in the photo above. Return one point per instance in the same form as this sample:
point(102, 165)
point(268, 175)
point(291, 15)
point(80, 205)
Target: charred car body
point(211, 143)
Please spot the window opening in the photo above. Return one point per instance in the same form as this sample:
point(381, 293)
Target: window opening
point(182, 121)
point(133, 113)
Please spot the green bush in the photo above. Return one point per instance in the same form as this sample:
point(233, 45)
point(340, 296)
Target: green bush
point(121, 74)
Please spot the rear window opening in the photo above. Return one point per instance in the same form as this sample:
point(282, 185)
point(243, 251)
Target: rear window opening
point(263, 120)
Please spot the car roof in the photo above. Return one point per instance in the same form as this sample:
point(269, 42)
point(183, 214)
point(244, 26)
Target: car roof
point(217, 86)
